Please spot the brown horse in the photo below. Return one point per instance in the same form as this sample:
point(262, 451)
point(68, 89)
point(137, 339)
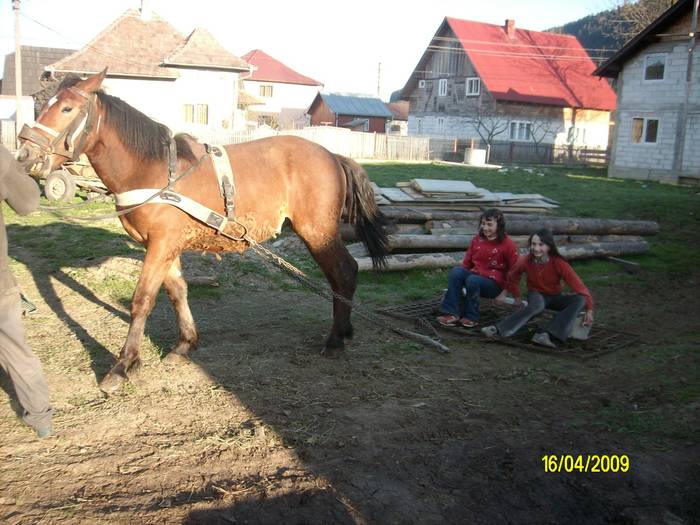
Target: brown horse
point(275, 179)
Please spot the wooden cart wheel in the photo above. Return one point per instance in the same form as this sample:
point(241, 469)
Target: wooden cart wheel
point(59, 186)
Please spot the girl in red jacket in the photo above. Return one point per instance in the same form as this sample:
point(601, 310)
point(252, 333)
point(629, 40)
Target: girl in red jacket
point(483, 272)
point(545, 270)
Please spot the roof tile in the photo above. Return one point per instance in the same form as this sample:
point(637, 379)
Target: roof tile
point(272, 70)
point(534, 67)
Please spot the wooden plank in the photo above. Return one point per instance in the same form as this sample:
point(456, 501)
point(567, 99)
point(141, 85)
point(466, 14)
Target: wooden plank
point(444, 186)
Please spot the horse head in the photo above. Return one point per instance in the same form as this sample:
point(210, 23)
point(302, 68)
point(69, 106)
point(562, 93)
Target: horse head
point(67, 126)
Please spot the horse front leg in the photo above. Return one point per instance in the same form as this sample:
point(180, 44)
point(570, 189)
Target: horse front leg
point(158, 260)
point(176, 287)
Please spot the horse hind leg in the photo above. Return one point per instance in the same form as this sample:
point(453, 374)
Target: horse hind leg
point(176, 288)
point(340, 270)
point(158, 260)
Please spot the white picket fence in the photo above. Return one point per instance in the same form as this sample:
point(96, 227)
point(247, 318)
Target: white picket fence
point(354, 144)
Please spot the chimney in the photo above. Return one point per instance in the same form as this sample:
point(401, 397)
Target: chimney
point(509, 27)
point(145, 10)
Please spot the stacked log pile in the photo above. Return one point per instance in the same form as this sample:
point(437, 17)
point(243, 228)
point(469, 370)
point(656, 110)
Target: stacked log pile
point(424, 237)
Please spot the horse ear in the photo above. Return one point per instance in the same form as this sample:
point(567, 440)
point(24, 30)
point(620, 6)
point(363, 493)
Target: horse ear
point(93, 83)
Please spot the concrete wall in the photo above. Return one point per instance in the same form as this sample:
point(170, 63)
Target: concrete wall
point(663, 100)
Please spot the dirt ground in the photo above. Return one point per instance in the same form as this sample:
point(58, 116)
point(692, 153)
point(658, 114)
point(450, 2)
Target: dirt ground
point(259, 429)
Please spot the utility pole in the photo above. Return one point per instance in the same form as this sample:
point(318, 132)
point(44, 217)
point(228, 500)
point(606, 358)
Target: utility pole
point(683, 116)
point(18, 70)
point(379, 79)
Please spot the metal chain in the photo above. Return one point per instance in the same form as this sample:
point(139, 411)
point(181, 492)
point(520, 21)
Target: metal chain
point(359, 309)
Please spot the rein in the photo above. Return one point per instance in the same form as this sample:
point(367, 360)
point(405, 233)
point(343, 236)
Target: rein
point(115, 214)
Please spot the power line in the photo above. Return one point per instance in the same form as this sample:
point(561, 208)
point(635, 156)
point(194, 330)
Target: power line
point(513, 54)
point(509, 44)
point(90, 46)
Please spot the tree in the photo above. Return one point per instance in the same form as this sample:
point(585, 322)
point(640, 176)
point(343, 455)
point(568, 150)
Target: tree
point(634, 16)
point(488, 121)
point(543, 128)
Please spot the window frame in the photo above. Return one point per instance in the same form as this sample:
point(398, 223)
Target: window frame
point(421, 84)
point(264, 88)
point(645, 131)
point(442, 87)
point(518, 124)
point(478, 87)
point(646, 67)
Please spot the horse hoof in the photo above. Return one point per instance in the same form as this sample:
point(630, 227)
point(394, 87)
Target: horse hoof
point(173, 358)
point(331, 352)
point(112, 383)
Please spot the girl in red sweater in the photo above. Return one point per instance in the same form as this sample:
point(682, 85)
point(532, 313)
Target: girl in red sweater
point(482, 273)
point(545, 270)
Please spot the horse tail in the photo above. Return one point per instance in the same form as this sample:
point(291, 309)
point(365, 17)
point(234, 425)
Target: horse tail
point(361, 210)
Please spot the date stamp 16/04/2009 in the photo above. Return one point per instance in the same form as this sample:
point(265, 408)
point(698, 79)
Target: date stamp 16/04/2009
point(594, 463)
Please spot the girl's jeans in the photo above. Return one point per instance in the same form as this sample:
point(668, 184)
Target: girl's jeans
point(476, 286)
point(566, 306)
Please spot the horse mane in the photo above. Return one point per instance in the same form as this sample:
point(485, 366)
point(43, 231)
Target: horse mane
point(145, 137)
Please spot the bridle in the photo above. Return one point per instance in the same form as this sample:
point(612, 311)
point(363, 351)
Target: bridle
point(70, 142)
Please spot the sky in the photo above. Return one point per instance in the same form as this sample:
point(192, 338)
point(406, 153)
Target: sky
point(354, 47)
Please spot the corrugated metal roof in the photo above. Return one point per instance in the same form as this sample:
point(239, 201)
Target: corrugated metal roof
point(363, 106)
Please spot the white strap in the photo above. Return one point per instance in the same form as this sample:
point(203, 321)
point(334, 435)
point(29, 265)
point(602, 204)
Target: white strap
point(222, 167)
point(46, 129)
point(189, 206)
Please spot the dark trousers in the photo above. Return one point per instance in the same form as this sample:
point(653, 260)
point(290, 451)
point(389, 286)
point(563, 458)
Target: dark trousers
point(566, 306)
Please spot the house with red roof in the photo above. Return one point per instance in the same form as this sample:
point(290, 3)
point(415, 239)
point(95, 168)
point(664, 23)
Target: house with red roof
point(500, 83)
point(283, 94)
point(189, 83)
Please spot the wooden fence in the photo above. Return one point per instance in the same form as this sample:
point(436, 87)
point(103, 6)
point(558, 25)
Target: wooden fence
point(453, 150)
point(354, 144)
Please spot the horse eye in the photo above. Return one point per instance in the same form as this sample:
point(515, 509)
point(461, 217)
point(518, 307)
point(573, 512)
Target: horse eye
point(67, 109)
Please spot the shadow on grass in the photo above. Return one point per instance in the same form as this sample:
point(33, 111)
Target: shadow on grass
point(46, 262)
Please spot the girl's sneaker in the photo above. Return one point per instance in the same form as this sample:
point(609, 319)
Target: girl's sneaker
point(543, 339)
point(489, 331)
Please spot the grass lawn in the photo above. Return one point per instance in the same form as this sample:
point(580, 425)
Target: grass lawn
point(582, 192)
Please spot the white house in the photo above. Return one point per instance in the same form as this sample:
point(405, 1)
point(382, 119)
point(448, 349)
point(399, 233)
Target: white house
point(284, 94)
point(657, 129)
point(188, 83)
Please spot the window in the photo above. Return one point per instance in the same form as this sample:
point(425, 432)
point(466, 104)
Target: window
point(473, 86)
point(519, 130)
point(188, 113)
point(201, 114)
point(421, 83)
point(442, 87)
point(654, 66)
point(441, 125)
point(196, 113)
point(266, 90)
point(645, 130)
point(419, 126)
